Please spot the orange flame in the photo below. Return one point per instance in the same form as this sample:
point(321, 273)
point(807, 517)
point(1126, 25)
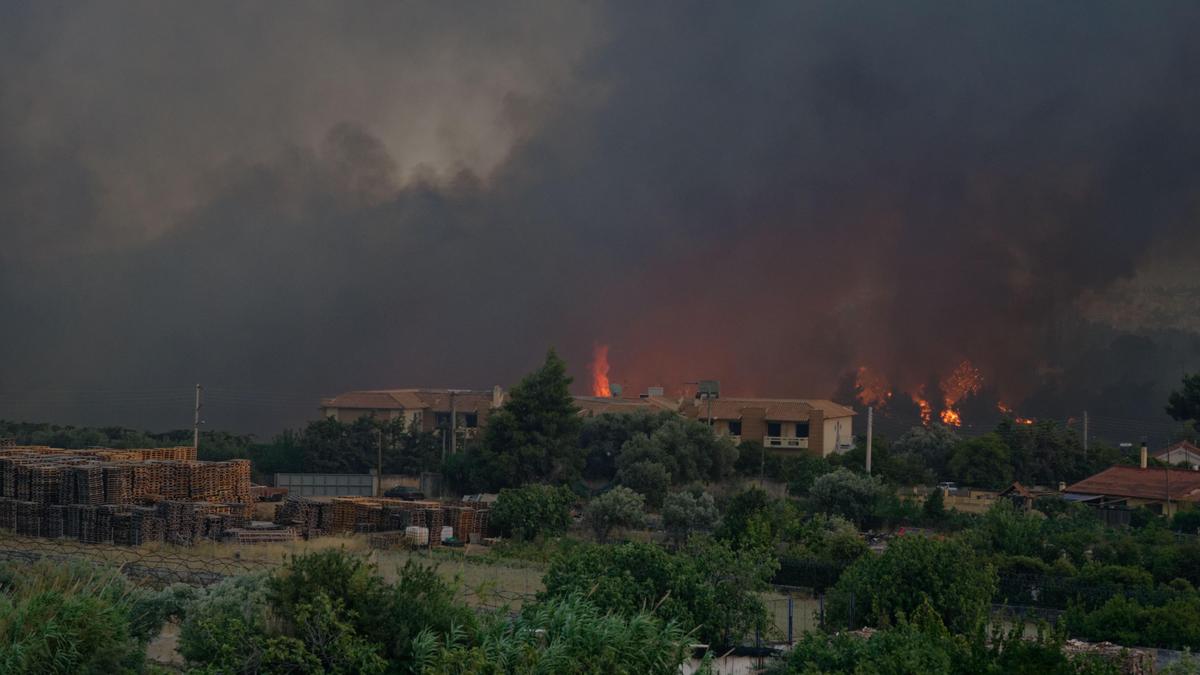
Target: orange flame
point(872, 388)
point(599, 367)
point(963, 381)
point(926, 409)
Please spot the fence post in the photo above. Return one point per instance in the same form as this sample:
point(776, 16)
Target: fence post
point(821, 609)
point(789, 619)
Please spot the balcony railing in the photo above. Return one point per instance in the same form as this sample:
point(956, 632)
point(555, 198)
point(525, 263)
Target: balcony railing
point(785, 442)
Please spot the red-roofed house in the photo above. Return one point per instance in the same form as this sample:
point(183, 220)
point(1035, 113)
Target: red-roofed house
point(1160, 490)
point(430, 409)
point(1182, 452)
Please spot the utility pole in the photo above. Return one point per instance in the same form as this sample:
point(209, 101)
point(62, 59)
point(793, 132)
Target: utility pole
point(1085, 434)
point(453, 424)
point(870, 431)
point(196, 421)
point(379, 464)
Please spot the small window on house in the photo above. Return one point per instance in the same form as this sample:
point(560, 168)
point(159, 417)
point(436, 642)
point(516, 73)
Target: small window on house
point(441, 420)
point(801, 429)
point(774, 429)
point(735, 427)
point(471, 420)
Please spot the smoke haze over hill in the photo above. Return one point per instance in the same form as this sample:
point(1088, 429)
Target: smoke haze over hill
point(285, 200)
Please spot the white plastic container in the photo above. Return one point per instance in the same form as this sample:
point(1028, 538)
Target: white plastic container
point(447, 532)
point(417, 535)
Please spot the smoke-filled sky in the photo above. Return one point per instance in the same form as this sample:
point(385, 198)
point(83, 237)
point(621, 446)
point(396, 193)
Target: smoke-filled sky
point(283, 200)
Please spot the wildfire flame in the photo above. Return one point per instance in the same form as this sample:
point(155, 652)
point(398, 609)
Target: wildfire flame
point(1007, 410)
point(963, 381)
point(926, 409)
point(872, 388)
point(599, 368)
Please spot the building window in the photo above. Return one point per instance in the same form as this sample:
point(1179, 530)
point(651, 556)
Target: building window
point(801, 429)
point(441, 420)
point(735, 427)
point(471, 420)
point(774, 429)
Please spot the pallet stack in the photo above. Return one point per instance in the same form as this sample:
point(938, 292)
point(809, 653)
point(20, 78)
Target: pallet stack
point(118, 484)
point(308, 516)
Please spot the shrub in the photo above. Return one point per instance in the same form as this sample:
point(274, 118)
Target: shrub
point(684, 513)
point(619, 507)
point(707, 585)
point(650, 479)
point(846, 493)
point(533, 510)
point(561, 635)
point(915, 570)
point(57, 618)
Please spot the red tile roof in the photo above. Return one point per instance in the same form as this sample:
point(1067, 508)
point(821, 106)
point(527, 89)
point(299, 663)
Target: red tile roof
point(408, 399)
point(777, 409)
point(1132, 481)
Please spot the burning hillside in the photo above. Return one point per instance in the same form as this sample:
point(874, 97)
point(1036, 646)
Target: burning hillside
point(945, 398)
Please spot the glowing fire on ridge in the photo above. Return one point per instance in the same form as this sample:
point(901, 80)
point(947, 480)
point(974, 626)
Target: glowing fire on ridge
point(963, 381)
point(599, 368)
point(872, 388)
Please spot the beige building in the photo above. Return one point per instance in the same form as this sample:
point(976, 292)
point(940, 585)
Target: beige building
point(817, 426)
point(429, 409)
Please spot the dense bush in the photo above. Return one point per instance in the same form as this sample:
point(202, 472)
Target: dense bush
point(847, 494)
point(532, 511)
point(922, 644)
point(706, 586)
point(946, 574)
point(57, 618)
point(565, 635)
point(685, 512)
point(619, 507)
point(1173, 625)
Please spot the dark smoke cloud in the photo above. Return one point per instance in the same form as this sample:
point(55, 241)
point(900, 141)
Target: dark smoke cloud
point(283, 201)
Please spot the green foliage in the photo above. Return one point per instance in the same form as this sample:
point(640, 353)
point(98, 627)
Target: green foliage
point(1184, 403)
point(799, 472)
point(934, 508)
point(1174, 625)
point(57, 618)
point(914, 570)
point(846, 493)
point(982, 462)
point(922, 644)
point(619, 507)
point(640, 473)
point(684, 513)
point(707, 585)
point(754, 519)
point(533, 511)
point(602, 437)
point(1187, 520)
point(534, 436)
point(560, 635)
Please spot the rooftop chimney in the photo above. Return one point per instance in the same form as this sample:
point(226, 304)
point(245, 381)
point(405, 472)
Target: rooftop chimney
point(1145, 455)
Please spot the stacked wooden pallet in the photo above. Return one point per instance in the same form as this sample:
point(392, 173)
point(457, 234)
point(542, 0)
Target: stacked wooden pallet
point(308, 516)
point(27, 517)
point(118, 483)
point(241, 535)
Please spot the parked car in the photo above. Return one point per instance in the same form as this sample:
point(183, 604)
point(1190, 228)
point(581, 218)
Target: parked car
point(948, 488)
point(404, 492)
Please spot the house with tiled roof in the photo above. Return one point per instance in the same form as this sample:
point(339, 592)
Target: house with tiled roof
point(1161, 490)
point(428, 409)
point(1183, 452)
point(790, 425)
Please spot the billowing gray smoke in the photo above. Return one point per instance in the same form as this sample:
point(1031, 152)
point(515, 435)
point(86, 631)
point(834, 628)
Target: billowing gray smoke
point(286, 200)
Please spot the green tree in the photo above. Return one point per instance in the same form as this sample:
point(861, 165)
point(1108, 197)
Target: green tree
point(947, 574)
point(925, 451)
point(533, 510)
point(603, 435)
point(650, 479)
point(706, 586)
point(684, 513)
point(534, 436)
point(982, 462)
point(934, 508)
point(845, 493)
point(754, 519)
point(619, 507)
point(1184, 403)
